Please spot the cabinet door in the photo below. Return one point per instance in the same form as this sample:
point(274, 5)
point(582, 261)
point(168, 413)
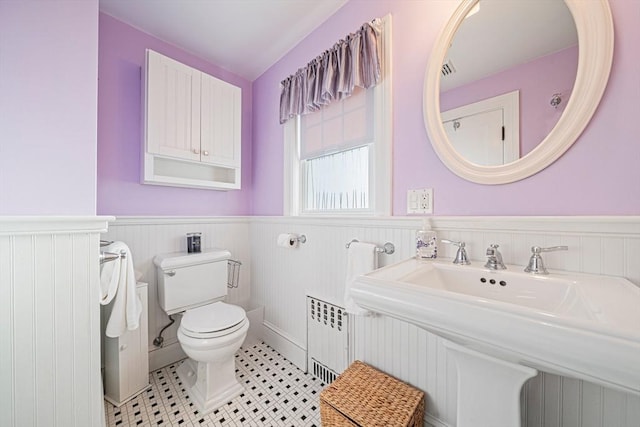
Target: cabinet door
point(172, 119)
point(220, 122)
point(134, 352)
point(126, 358)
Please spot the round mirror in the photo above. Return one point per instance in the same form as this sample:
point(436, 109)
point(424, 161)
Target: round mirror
point(538, 91)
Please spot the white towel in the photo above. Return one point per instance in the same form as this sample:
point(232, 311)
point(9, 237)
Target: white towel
point(109, 278)
point(119, 279)
point(361, 259)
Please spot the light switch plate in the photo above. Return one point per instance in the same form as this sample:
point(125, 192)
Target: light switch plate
point(420, 201)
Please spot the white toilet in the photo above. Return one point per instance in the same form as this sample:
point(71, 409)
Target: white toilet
point(211, 331)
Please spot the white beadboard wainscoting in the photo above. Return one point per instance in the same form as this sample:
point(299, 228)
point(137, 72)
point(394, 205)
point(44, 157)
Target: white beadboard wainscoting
point(149, 236)
point(50, 321)
point(282, 278)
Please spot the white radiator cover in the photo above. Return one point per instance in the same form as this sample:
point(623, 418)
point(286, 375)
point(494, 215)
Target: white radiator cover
point(327, 339)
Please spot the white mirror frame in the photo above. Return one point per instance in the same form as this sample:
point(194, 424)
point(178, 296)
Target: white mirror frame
point(594, 25)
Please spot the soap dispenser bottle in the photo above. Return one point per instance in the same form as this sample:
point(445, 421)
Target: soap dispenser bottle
point(426, 242)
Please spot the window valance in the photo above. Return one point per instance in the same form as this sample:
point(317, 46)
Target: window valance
point(353, 61)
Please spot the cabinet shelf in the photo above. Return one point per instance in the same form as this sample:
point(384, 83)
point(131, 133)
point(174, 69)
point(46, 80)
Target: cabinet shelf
point(169, 171)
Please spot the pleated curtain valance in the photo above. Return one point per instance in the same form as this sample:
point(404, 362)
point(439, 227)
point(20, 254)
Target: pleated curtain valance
point(353, 61)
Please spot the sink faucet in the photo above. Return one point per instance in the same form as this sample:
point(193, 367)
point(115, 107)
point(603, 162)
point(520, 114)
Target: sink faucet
point(494, 262)
point(461, 255)
point(536, 266)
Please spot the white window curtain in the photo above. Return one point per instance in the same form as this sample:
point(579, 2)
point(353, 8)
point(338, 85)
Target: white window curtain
point(352, 62)
point(338, 181)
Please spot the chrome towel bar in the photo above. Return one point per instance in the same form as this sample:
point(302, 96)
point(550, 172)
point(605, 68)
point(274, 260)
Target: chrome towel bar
point(106, 256)
point(388, 248)
point(111, 256)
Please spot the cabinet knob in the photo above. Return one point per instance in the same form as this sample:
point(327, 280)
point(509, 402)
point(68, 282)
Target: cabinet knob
point(123, 347)
point(196, 151)
point(206, 153)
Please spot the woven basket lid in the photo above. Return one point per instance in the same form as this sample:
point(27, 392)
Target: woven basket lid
point(369, 397)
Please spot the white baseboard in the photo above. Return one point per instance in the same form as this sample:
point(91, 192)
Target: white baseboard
point(166, 355)
point(295, 352)
point(434, 422)
point(256, 326)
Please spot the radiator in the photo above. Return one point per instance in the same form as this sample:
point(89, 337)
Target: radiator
point(327, 339)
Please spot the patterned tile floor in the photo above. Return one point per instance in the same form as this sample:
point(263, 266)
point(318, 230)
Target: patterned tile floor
point(276, 393)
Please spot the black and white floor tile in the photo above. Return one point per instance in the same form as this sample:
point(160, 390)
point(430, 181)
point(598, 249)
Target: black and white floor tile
point(277, 393)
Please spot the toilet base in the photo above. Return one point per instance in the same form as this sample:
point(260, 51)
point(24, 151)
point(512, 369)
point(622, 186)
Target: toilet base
point(209, 385)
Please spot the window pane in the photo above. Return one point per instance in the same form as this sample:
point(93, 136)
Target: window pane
point(338, 181)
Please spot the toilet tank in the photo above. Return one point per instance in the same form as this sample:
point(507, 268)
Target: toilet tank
point(187, 280)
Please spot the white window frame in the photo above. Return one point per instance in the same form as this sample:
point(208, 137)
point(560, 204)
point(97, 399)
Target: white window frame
point(381, 160)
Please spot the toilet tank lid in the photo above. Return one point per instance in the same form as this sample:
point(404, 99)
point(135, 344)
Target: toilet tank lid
point(183, 259)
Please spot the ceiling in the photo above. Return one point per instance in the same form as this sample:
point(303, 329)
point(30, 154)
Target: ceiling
point(245, 37)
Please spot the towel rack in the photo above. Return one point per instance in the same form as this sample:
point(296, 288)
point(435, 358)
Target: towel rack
point(111, 256)
point(233, 273)
point(106, 256)
point(388, 248)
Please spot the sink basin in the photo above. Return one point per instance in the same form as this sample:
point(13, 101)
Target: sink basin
point(550, 294)
point(577, 325)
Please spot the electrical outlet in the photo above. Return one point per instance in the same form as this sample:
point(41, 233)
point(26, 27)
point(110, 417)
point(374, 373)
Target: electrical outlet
point(425, 202)
point(420, 201)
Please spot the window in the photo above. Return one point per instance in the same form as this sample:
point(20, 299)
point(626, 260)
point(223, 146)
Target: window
point(338, 159)
point(336, 182)
point(334, 155)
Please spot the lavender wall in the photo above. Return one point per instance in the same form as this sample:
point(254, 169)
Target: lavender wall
point(599, 175)
point(536, 82)
point(121, 56)
point(48, 90)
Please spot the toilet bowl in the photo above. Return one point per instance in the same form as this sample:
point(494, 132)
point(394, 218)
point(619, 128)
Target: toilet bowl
point(210, 335)
point(211, 331)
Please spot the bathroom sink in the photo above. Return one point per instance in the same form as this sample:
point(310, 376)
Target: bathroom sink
point(536, 292)
point(577, 325)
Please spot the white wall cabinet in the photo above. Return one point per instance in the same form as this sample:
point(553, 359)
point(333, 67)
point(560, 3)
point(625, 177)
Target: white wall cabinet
point(192, 127)
point(126, 358)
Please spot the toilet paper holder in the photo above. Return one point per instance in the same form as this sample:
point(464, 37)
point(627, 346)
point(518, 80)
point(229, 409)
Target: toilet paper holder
point(291, 240)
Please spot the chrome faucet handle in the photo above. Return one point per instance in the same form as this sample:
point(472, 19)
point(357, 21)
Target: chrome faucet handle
point(461, 255)
point(494, 262)
point(536, 265)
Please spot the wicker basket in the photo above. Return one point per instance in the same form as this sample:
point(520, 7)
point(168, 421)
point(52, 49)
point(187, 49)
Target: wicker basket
point(362, 396)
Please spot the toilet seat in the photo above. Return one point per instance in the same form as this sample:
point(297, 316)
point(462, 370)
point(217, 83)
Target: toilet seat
point(213, 320)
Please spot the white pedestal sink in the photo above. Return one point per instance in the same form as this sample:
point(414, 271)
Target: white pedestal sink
point(504, 325)
point(488, 388)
